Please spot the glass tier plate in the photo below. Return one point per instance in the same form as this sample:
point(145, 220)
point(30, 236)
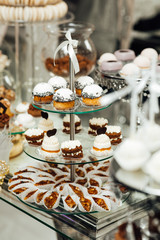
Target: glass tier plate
point(12, 132)
point(136, 180)
point(79, 108)
point(35, 153)
point(61, 210)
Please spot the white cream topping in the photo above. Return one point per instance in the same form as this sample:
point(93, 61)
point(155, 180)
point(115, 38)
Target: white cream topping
point(33, 132)
point(64, 93)
point(102, 141)
point(46, 124)
point(42, 88)
point(50, 143)
point(58, 82)
point(77, 128)
point(25, 119)
point(111, 129)
point(98, 121)
point(71, 144)
point(92, 90)
point(22, 107)
point(67, 118)
point(83, 81)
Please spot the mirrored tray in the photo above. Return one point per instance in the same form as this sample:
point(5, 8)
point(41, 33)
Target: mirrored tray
point(34, 152)
point(78, 109)
point(136, 180)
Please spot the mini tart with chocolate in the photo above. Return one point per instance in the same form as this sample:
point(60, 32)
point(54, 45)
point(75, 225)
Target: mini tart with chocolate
point(34, 136)
point(45, 123)
point(95, 124)
point(72, 149)
point(114, 133)
point(43, 93)
point(91, 95)
point(82, 82)
point(64, 99)
point(66, 124)
point(102, 144)
point(57, 82)
point(35, 112)
point(50, 145)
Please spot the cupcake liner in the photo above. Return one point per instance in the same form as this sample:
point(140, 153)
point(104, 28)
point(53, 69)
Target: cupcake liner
point(61, 182)
point(63, 189)
point(21, 187)
point(66, 206)
point(28, 195)
point(76, 189)
point(105, 200)
point(61, 176)
point(51, 199)
point(45, 183)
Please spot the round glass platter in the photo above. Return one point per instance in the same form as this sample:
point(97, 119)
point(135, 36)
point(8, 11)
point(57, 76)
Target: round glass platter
point(78, 109)
point(35, 153)
point(136, 180)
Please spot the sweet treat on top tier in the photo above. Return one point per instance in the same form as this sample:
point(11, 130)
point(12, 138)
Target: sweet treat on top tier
point(114, 133)
point(22, 107)
point(33, 14)
point(28, 2)
point(106, 57)
point(130, 70)
point(50, 145)
point(123, 235)
point(45, 123)
point(102, 144)
point(142, 62)
point(7, 104)
point(95, 124)
point(91, 95)
point(150, 53)
point(34, 136)
point(66, 124)
point(24, 120)
point(43, 93)
point(111, 66)
point(58, 82)
point(82, 82)
point(125, 55)
point(35, 112)
point(131, 154)
point(64, 99)
point(72, 149)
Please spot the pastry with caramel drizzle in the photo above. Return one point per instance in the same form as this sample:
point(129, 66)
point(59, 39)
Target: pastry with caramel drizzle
point(44, 182)
point(30, 194)
point(51, 200)
point(100, 202)
point(70, 202)
point(40, 196)
point(92, 190)
point(86, 203)
point(76, 190)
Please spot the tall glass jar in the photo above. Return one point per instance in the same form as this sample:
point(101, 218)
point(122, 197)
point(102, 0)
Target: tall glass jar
point(85, 52)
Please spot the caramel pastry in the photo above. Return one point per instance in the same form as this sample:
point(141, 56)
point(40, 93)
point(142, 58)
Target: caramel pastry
point(62, 182)
point(16, 184)
point(35, 112)
point(97, 182)
point(76, 190)
point(50, 171)
point(89, 169)
point(92, 190)
point(40, 196)
point(20, 177)
point(82, 181)
point(64, 169)
point(50, 201)
point(30, 194)
point(23, 171)
point(100, 202)
point(70, 202)
point(95, 163)
point(79, 172)
point(57, 178)
point(86, 203)
point(44, 182)
point(4, 120)
point(20, 190)
point(103, 168)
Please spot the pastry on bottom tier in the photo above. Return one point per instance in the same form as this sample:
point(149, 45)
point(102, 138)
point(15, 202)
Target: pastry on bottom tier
point(122, 232)
point(66, 124)
point(50, 145)
point(114, 133)
point(34, 136)
point(91, 95)
point(35, 112)
point(101, 146)
point(64, 99)
point(96, 123)
point(72, 149)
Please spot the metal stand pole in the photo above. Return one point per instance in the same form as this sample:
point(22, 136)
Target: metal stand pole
point(18, 83)
point(72, 122)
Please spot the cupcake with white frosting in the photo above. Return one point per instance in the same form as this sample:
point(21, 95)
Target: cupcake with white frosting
point(114, 133)
point(91, 95)
point(22, 107)
point(34, 136)
point(66, 124)
point(57, 82)
point(24, 120)
point(64, 99)
point(96, 123)
point(82, 82)
point(72, 149)
point(43, 93)
point(45, 123)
